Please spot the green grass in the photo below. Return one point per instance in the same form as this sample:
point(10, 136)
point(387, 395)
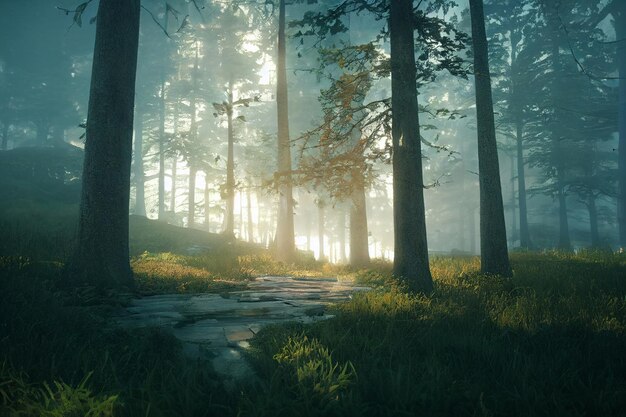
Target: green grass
point(550, 341)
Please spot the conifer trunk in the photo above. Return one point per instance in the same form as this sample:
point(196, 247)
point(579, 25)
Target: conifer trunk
point(140, 195)
point(285, 243)
point(101, 257)
point(411, 248)
point(229, 224)
point(493, 245)
point(620, 29)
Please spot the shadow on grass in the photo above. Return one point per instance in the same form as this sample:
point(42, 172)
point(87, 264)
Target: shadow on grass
point(548, 342)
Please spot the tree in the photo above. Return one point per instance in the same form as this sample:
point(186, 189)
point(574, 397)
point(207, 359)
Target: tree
point(493, 250)
point(101, 257)
point(285, 243)
point(411, 248)
point(617, 8)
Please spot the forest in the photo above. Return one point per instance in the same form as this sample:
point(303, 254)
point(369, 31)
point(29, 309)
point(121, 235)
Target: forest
point(312, 208)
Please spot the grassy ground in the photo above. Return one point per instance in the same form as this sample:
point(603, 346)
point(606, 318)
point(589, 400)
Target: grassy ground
point(551, 342)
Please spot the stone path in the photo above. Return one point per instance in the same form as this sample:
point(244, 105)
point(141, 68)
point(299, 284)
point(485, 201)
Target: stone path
point(217, 327)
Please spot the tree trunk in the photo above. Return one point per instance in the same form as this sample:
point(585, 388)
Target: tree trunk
point(58, 136)
point(593, 221)
point(102, 254)
point(285, 243)
point(5, 136)
point(359, 247)
point(472, 227)
point(174, 179)
point(493, 249)
point(191, 213)
point(411, 248)
point(140, 195)
point(564, 240)
point(320, 230)
point(524, 232)
point(229, 223)
point(193, 132)
point(620, 28)
point(174, 163)
point(161, 196)
point(43, 129)
point(514, 234)
point(342, 237)
point(250, 222)
point(207, 205)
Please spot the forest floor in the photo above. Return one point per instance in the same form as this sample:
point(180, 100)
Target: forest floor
point(550, 341)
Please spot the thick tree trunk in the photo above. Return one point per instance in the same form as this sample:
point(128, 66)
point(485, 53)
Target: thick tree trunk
point(493, 248)
point(620, 28)
point(359, 246)
point(140, 195)
point(285, 243)
point(229, 223)
point(161, 196)
point(102, 254)
point(524, 233)
point(409, 215)
point(191, 210)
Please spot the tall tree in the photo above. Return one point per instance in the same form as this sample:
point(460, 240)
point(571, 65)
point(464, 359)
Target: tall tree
point(411, 248)
point(285, 243)
point(493, 248)
point(101, 257)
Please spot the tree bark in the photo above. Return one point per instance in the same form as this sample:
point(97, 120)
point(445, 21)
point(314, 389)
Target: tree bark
point(101, 257)
point(493, 247)
point(411, 248)
point(140, 195)
point(285, 243)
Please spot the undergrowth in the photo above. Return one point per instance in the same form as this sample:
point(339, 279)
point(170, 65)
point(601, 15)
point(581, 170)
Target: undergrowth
point(548, 342)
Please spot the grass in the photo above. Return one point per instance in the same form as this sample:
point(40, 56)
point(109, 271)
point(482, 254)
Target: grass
point(550, 341)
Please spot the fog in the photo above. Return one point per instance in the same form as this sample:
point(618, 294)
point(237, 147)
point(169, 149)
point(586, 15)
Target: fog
point(209, 68)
